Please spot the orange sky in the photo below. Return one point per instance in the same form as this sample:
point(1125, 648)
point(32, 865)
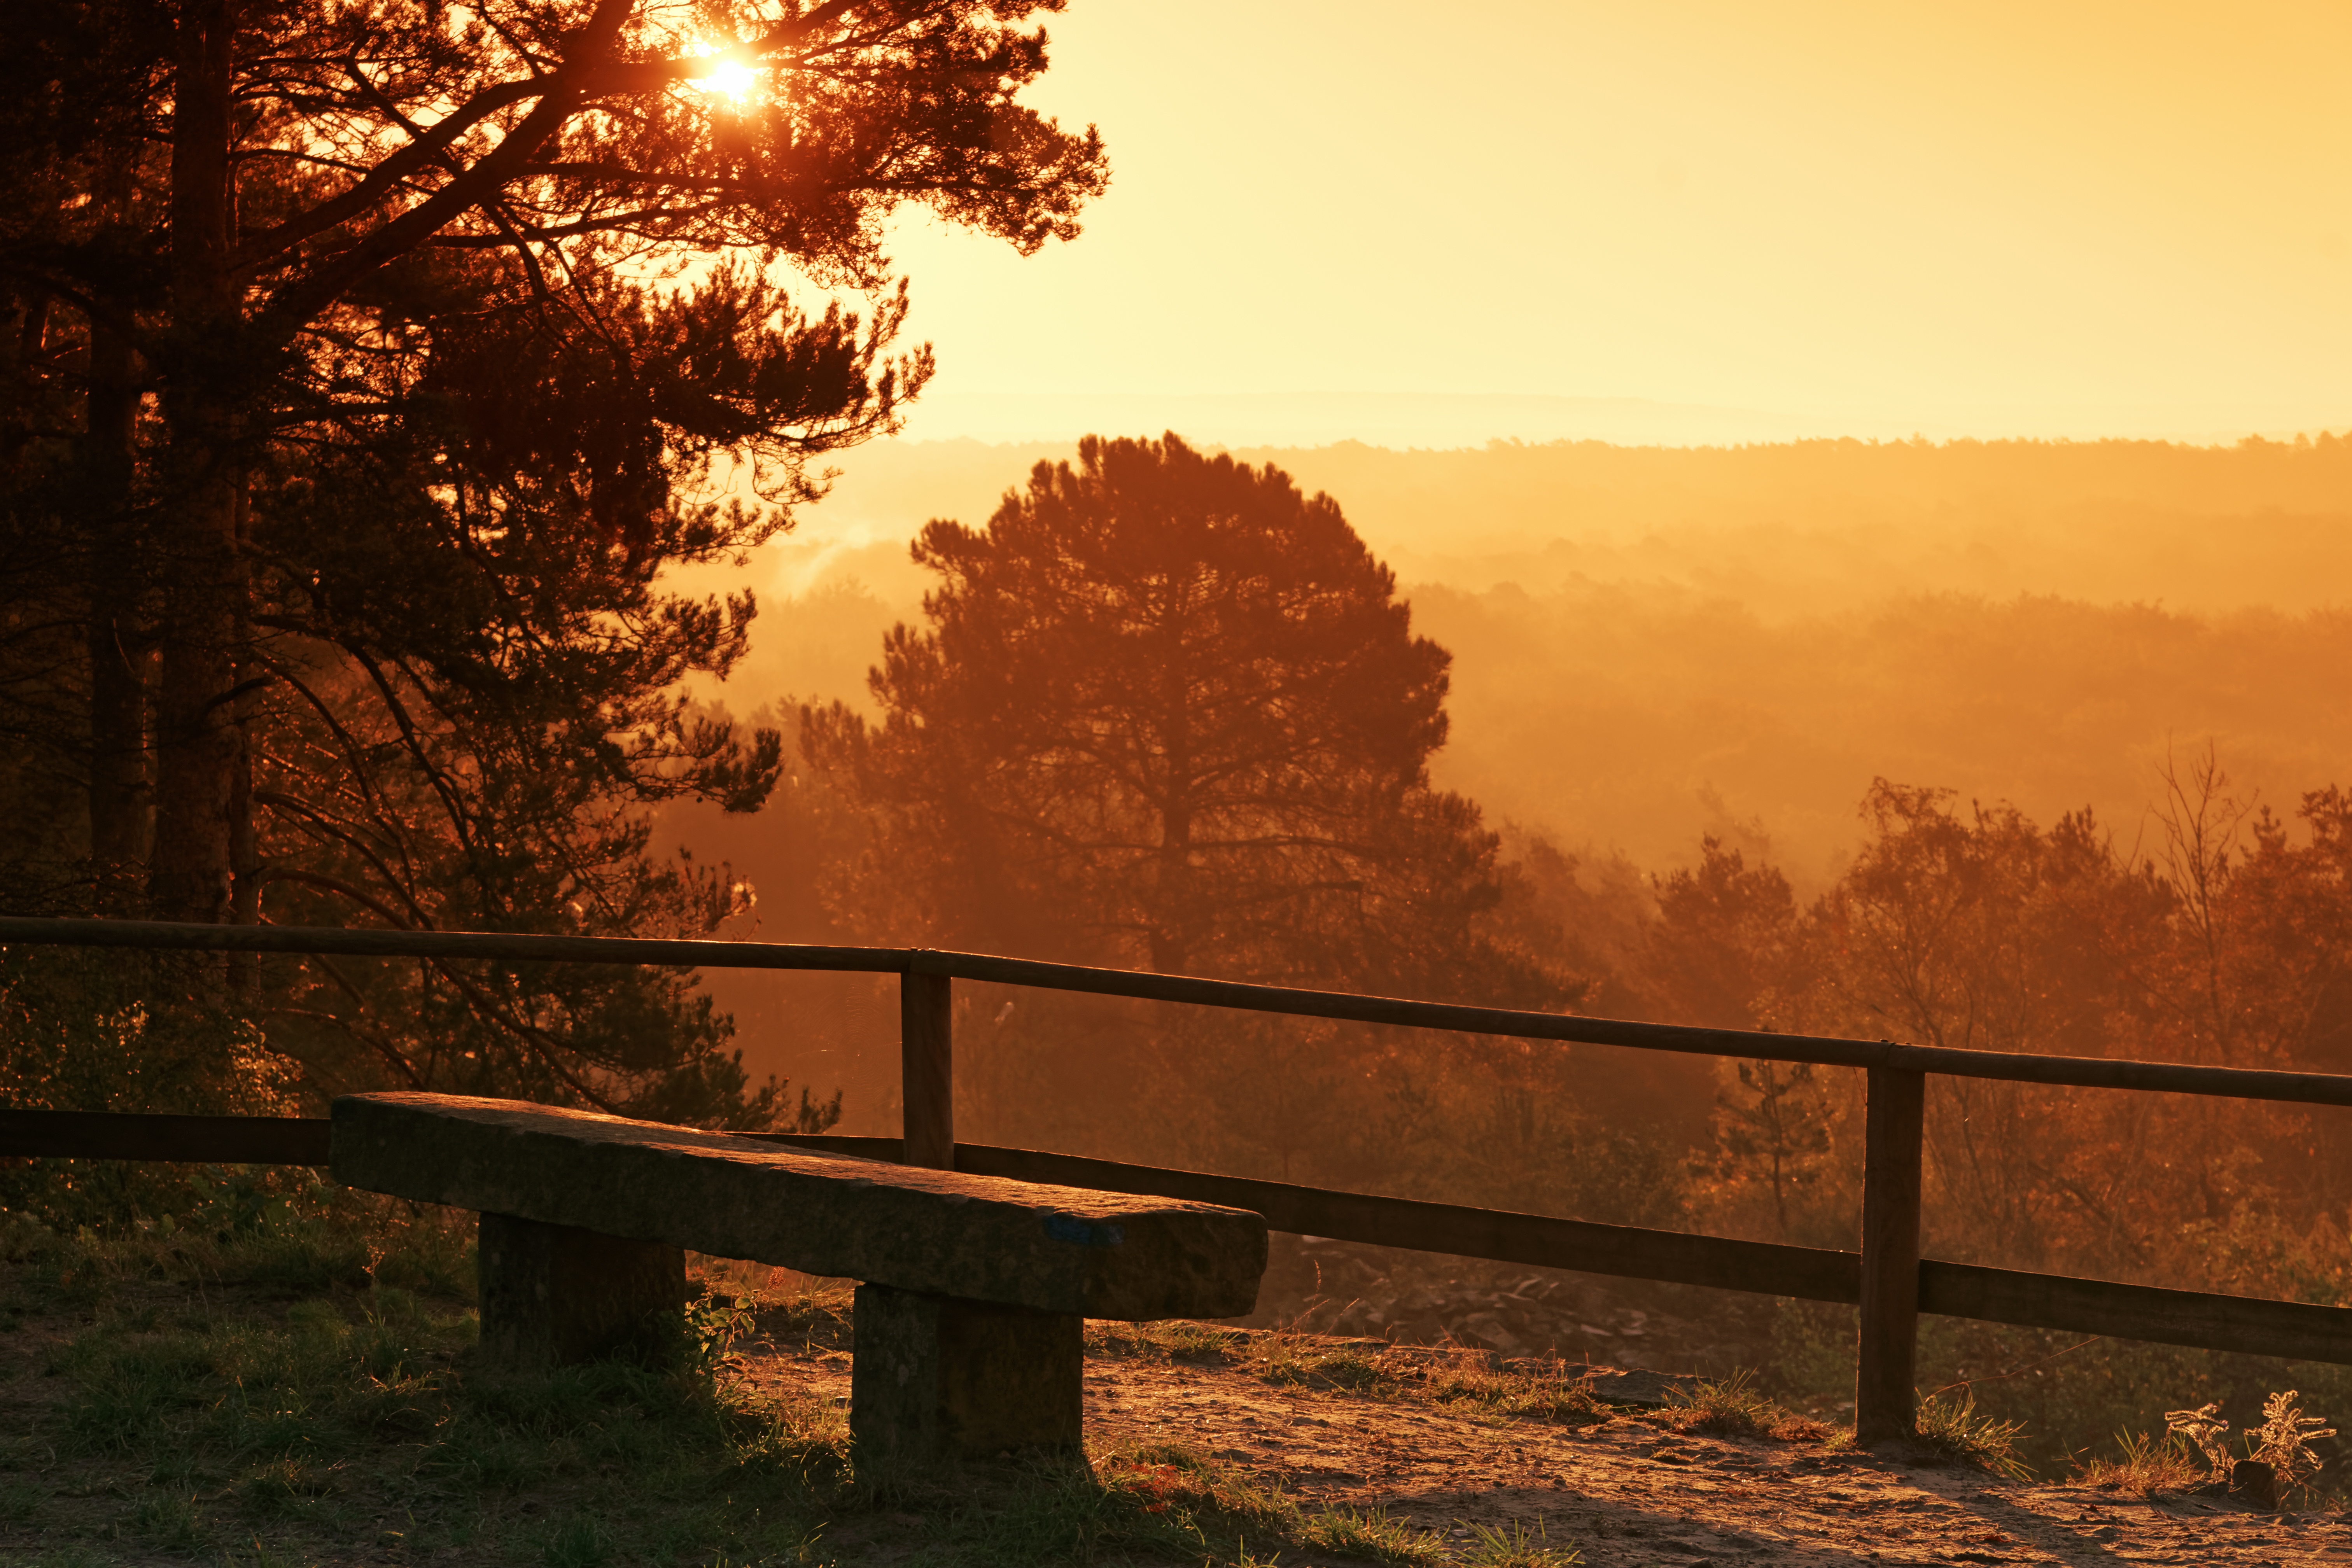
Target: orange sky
point(2002, 219)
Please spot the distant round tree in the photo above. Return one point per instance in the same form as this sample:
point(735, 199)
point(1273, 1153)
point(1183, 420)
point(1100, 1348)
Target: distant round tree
point(1169, 711)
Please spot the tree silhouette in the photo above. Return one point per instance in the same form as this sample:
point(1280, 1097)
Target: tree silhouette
point(1168, 709)
point(342, 201)
point(366, 368)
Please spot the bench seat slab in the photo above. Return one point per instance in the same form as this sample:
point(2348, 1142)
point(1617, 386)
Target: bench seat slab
point(1063, 1250)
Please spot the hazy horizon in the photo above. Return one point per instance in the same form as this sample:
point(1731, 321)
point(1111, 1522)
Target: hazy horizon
point(1408, 421)
point(1749, 635)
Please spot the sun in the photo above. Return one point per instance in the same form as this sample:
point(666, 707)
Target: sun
point(726, 78)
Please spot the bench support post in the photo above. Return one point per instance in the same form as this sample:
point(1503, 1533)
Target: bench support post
point(937, 1378)
point(554, 1294)
point(1886, 1360)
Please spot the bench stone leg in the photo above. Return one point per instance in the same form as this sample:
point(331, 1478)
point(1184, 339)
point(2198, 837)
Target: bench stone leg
point(553, 1294)
point(938, 1378)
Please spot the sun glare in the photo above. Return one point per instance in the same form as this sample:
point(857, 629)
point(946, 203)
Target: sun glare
point(725, 78)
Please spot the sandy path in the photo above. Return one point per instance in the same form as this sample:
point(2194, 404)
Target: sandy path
point(1631, 1494)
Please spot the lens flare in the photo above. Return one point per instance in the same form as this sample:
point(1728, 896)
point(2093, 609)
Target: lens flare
point(726, 76)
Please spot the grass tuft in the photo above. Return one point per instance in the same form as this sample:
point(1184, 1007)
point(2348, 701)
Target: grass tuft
point(1735, 1408)
point(1493, 1548)
point(169, 1520)
point(2146, 1464)
point(1374, 1537)
point(1285, 1356)
point(578, 1540)
point(1543, 1391)
point(1953, 1428)
point(1173, 1340)
point(1183, 1503)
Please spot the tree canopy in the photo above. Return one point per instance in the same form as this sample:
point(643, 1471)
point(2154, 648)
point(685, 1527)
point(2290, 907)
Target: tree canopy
point(1167, 710)
point(366, 368)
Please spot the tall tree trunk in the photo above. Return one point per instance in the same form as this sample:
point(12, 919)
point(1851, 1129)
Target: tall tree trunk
point(198, 747)
point(243, 842)
point(117, 697)
point(26, 326)
point(1172, 922)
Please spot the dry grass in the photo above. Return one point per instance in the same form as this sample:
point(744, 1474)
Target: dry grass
point(1174, 1339)
point(1306, 1362)
point(1543, 1391)
point(1732, 1407)
point(2149, 1466)
point(1516, 1548)
point(1952, 1429)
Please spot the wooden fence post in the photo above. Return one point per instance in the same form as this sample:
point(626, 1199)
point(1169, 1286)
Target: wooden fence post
point(927, 1069)
point(1886, 1360)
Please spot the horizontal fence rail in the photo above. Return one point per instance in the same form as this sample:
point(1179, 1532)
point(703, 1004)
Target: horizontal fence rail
point(204, 1140)
point(1829, 1050)
point(1887, 1278)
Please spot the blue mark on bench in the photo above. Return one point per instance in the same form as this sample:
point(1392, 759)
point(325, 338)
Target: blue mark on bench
point(1085, 1232)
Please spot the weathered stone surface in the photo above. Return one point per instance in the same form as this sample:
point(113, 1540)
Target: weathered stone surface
point(936, 1377)
point(554, 1294)
point(1056, 1249)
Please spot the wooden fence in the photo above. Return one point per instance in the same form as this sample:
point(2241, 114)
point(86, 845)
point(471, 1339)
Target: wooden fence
point(1887, 1278)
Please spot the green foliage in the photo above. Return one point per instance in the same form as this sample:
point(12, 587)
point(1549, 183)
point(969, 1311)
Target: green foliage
point(77, 1031)
point(1282, 1357)
point(1542, 1389)
point(280, 1418)
point(2062, 1397)
point(579, 1540)
point(1177, 1339)
point(713, 1320)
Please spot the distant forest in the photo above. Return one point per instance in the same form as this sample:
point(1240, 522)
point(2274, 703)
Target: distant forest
point(1653, 642)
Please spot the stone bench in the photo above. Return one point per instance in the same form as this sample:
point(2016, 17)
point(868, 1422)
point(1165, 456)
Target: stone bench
point(971, 1289)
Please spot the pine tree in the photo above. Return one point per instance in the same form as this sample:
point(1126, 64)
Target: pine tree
point(369, 366)
point(1169, 711)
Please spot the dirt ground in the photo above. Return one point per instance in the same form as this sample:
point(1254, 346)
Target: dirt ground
point(1631, 1493)
point(1626, 1492)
